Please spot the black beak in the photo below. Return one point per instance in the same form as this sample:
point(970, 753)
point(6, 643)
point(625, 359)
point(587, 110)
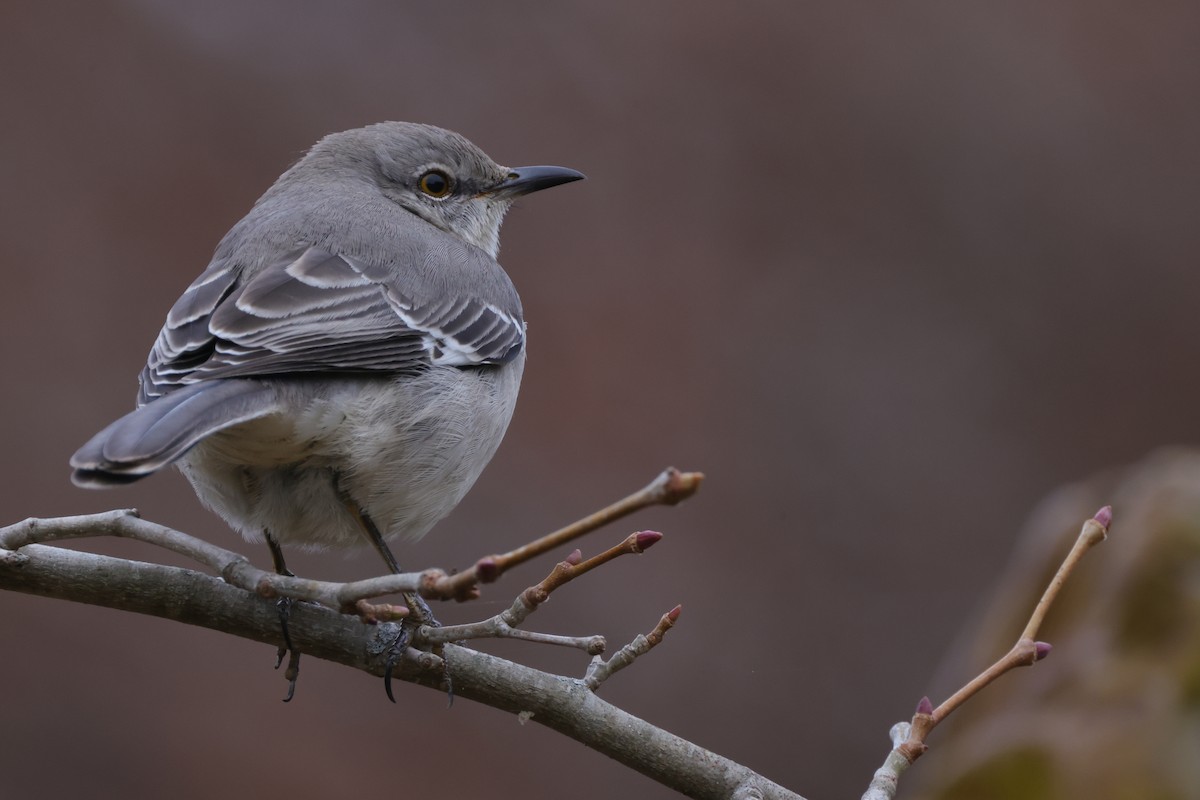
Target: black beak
point(523, 180)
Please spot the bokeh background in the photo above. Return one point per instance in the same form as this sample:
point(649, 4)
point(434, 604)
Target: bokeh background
point(887, 273)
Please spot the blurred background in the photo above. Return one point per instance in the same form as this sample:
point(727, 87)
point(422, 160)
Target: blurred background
point(888, 273)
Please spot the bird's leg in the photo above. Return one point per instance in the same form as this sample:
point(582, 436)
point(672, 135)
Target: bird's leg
point(418, 608)
point(419, 611)
point(284, 606)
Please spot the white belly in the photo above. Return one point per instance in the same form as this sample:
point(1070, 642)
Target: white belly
point(403, 450)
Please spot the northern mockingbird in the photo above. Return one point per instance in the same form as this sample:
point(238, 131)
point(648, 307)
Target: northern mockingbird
point(347, 364)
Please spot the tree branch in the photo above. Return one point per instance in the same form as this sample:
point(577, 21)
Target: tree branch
point(908, 738)
point(669, 488)
point(562, 704)
point(339, 625)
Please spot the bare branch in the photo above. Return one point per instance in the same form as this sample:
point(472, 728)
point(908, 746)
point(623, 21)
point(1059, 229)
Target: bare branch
point(564, 705)
point(599, 671)
point(240, 601)
point(504, 624)
point(669, 488)
point(233, 567)
point(1025, 652)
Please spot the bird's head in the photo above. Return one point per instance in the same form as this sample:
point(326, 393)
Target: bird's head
point(438, 175)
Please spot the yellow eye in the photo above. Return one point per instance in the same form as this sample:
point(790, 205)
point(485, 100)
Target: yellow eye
point(435, 183)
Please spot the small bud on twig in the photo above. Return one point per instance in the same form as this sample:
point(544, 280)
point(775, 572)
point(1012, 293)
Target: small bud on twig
point(645, 540)
point(487, 570)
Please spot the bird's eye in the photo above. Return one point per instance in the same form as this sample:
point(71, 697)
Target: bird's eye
point(435, 183)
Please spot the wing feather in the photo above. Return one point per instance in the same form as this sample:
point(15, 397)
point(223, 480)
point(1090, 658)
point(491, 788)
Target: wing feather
point(315, 311)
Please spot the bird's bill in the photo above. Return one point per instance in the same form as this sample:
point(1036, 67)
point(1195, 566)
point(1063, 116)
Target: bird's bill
point(523, 180)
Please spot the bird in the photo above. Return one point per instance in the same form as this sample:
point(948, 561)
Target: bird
point(347, 364)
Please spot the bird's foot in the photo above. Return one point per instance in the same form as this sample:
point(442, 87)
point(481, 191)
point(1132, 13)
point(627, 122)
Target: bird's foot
point(419, 614)
point(284, 607)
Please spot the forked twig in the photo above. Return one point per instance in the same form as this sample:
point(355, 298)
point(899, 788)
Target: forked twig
point(505, 624)
point(600, 670)
point(670, 487)
point(908, 738)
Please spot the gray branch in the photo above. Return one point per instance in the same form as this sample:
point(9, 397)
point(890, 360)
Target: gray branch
point(563, 704)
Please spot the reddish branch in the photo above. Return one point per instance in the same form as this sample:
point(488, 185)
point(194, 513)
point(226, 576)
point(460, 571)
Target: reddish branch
point(669, 488)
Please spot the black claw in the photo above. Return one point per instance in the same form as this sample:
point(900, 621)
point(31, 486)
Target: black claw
point(395, 651)
point(387, 679)
point(292, 673)
point(284, 607)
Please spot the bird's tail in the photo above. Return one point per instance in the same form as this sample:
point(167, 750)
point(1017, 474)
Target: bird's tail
point(146, 440)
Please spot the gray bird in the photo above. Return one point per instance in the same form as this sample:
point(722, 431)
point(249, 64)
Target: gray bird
point(348, 363)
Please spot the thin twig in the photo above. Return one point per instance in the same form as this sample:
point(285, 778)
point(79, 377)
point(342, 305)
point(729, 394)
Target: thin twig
point(670, 487)
point(234, 568)
point(1025, 652)
point(505, 624)
point(1094, 531)
point(600, 670)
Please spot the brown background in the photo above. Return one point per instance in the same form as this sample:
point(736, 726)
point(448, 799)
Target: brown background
point(887, 272)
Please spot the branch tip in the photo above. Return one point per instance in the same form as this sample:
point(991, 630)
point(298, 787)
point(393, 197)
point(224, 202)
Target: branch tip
point(678, 486)
point(645, 540)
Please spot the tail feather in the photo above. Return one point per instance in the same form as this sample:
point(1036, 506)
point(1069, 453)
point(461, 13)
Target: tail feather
point(146, 440)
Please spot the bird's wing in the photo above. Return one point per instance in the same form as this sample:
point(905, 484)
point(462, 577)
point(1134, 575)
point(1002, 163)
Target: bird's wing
point(315, 311)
